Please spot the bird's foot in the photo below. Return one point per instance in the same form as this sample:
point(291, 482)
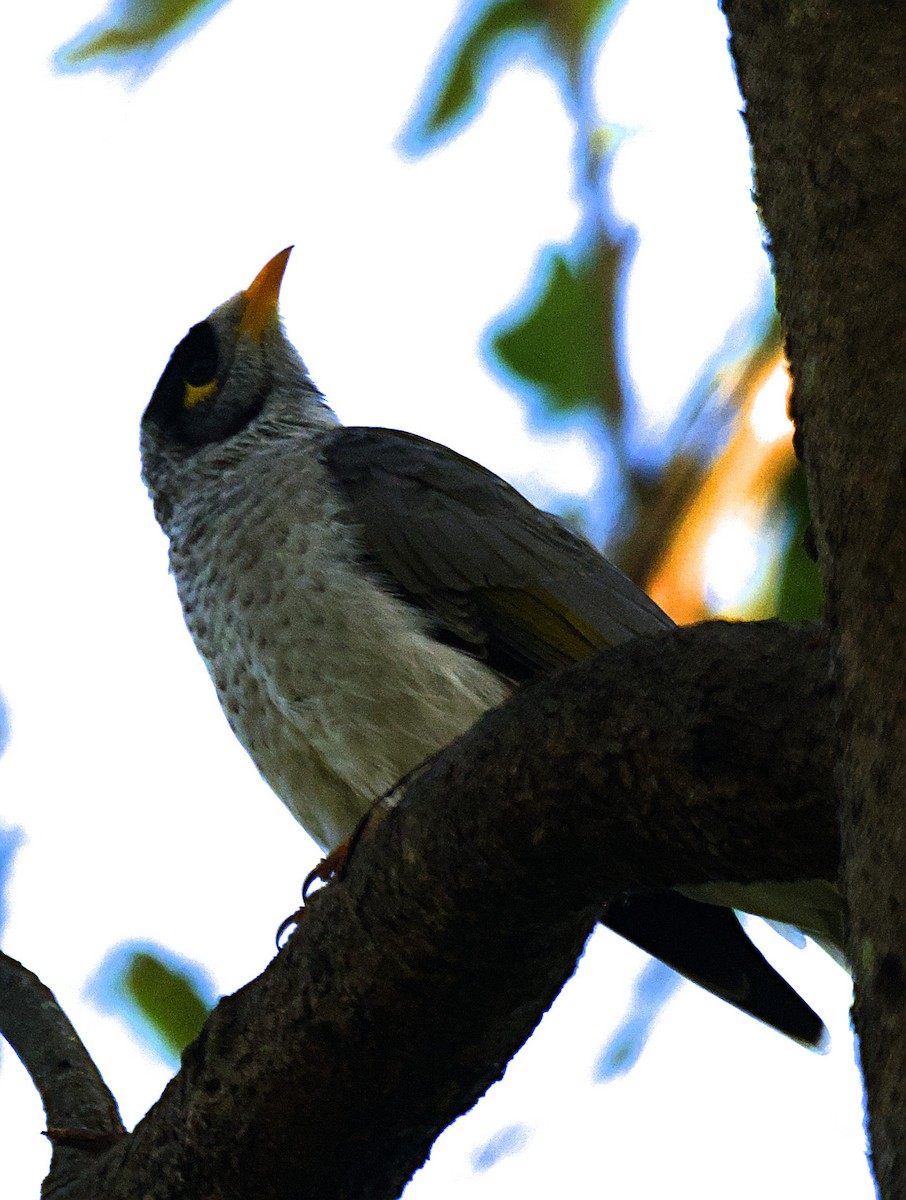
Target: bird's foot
point(332, 866)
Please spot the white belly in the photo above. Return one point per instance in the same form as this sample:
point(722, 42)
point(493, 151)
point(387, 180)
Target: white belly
point(335, 688)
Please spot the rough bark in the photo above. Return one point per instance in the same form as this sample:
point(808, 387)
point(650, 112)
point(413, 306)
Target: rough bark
point(702, 754)
point(82, 1116)
point(825, 90)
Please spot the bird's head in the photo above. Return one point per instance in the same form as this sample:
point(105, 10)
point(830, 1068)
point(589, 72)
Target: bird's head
point(221, 374)
point(234, 378)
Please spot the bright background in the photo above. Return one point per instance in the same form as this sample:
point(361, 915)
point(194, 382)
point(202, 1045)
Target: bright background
point(133, 207)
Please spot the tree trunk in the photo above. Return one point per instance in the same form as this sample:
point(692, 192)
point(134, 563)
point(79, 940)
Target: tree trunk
point(825, 90)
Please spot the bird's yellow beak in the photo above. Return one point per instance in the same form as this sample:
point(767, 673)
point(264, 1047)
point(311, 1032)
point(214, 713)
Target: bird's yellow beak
point(262, 296)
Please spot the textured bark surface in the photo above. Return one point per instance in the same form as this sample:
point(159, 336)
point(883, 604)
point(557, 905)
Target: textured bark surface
point(825, 90)
point(702, 754)
point(82, 1116)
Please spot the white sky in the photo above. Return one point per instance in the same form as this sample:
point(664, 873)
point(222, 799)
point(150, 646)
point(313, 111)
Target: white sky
point(130, 213)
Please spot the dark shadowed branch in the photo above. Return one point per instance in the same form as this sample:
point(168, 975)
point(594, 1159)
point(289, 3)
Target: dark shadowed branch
point(82, 1116)
point(703, 754)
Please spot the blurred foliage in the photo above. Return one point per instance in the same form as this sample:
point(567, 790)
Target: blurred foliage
point(563, 340)
point(662, 500)
point(4, 725)
point(481, 44)
point(560, 342)
point(168, 999)
point(10, 841)
point(800, 596)
point(135, 33)
point(509, 1140)
point(11, 838)
point(712, 460)
point(654, 985)
point(560, 336)
point(574, 25)
point(468, 69)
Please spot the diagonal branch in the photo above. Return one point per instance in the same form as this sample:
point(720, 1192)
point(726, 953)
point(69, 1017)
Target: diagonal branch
point(81, 1113)
point(703, 754)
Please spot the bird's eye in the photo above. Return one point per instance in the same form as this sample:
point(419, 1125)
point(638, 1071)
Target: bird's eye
point(198, 363)
point(194, 395)
point(192, 375)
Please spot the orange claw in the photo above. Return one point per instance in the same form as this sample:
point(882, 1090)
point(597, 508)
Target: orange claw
point(332, 866)
point(335, 864)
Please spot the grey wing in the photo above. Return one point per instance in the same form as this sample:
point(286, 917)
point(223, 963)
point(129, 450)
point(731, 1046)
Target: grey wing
point(500, 577)
point(510, 583)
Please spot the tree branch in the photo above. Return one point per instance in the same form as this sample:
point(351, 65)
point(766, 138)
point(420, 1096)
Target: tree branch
point(703, 754)
point(82, 1115)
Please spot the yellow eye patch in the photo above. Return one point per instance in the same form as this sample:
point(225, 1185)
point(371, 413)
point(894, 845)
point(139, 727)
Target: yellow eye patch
point(194, 395)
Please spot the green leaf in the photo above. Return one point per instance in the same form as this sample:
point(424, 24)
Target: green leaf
point(800, 595)
point(462, 70)
point(166, 998)
point(561, 339)
point(135, 26)
point(574, 24)
point(470, 58)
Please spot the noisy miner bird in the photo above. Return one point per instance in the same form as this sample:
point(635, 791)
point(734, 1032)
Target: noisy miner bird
point(361, 595)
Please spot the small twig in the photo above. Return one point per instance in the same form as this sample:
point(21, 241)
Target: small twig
point(81, 1112)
